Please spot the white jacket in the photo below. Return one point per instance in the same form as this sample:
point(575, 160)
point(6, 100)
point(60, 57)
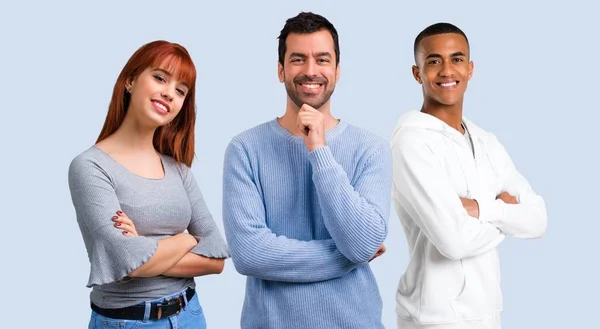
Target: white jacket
point(453, 274)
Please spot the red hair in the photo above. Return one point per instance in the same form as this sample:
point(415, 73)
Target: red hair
point(175, 139)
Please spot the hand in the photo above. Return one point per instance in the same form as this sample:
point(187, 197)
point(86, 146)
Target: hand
point(311, 124)
point(123, 222)
point(379, 252)
point(507, 198)
point(192, 240)
point(471, 206)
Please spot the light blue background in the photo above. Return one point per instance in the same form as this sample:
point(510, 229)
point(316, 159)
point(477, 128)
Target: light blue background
point(535, 85)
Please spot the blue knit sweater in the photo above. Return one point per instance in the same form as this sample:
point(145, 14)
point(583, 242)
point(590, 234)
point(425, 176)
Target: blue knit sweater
point(302, 226)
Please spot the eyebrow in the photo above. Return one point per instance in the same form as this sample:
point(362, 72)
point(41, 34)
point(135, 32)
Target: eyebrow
point(297, 55)
point(163, 71)
point(456, 54)
point(320, 54)
point(433, 56)
point(170, 75)
point(324, 54)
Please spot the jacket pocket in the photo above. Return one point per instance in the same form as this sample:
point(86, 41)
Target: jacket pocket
point(444, 281)
point(479, 299)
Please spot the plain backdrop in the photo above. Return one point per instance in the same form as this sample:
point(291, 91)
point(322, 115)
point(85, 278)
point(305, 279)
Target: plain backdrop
point(535, 85)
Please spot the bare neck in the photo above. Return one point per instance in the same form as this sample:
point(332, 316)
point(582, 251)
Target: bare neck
point(130, 137)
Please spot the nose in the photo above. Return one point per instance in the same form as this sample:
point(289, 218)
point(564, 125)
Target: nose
point(310, 69)
point(167, 94)
point(446, 70)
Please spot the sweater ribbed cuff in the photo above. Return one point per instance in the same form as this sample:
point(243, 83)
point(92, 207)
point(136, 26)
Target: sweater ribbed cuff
point(321, 158)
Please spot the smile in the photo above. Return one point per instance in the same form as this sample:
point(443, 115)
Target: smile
point(311, 88)
point(161, 107)
point(450, 84)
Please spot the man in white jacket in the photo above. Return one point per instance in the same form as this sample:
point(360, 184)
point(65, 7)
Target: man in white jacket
point(457, 194)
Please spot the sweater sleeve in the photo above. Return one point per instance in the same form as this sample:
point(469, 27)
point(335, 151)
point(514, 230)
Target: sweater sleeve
point(257, 251)
point(355, 214)
point(112, 255)
point(423, 189)
point(528, 218)
point(202, 225)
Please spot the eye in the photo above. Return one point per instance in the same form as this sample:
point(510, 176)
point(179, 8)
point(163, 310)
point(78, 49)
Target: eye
point(181, 92)
point(434, 61)
point(297, 60)
point(458, 60)
point(323, 60)
point(159, 78)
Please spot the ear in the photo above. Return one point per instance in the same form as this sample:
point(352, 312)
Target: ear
point(471, 66)
point(337, 73)
point(417, 74)
point(128, 84)
point(280, 72)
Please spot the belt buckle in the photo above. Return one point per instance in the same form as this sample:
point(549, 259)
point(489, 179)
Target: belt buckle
point(167, 303)
point(180, 301)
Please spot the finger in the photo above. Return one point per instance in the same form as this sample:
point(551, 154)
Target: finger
point(120, 222)
point(307, 117)
point(376, 255)
point(122, 214)
point(130, 233)
point(124, 220)
point(307, 108)
point(304, 126)
point(311, 121)
point(125, 227)
point(310, 114)
point(304, 129)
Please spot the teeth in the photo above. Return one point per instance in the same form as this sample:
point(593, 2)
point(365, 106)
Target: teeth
point(448, 84)
point(164, 108)
point(315, 86)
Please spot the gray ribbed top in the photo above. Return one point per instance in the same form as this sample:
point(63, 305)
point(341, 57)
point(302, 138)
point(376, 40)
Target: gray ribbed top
point(159, 208)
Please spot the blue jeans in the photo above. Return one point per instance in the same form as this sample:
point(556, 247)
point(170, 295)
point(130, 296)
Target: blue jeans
point(191, 317)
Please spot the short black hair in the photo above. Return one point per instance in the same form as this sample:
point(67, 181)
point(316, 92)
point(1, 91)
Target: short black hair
point(435, 29)
point(307, 22)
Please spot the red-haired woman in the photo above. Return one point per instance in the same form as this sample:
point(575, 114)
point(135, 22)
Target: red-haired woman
point(135, 196)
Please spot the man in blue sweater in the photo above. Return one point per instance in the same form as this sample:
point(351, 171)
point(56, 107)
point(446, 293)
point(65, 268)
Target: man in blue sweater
point(306, 199)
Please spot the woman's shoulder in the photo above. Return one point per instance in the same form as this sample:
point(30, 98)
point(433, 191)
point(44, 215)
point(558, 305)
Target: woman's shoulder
point(92, 159)
point(89, 156)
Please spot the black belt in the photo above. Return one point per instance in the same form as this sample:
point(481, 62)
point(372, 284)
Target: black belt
point(158, 310)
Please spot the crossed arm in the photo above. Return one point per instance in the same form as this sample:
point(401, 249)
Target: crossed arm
point(173, 257)
point(115, 255)
point(200, 252)
point(259, 252)
point(517, 210)
point(460, 227)
point(423, 189)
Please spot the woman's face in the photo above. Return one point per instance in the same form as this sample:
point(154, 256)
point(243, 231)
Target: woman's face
point(156, 97)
